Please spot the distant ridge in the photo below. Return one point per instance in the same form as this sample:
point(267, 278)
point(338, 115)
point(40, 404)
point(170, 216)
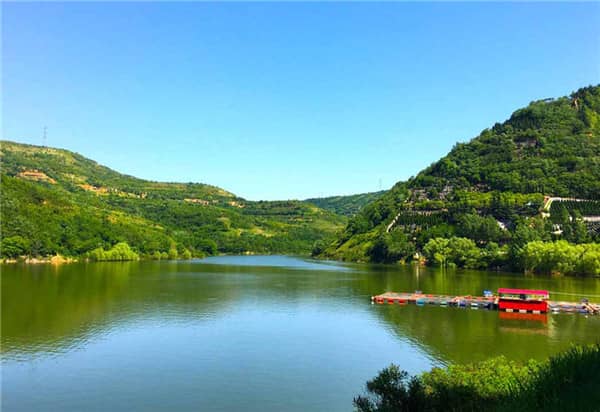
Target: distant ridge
point(347, 205)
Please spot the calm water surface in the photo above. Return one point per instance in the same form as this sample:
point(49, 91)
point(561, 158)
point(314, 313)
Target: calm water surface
point(255, 333)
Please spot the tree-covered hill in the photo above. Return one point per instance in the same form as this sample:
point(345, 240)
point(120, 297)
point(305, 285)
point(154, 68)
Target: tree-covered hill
point(56, 201)
point(346, 205)
point(490, 191)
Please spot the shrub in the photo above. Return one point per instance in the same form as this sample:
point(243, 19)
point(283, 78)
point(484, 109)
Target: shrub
point(119, 252)
point(567, 381)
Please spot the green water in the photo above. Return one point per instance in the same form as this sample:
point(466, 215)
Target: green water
point(256, 333)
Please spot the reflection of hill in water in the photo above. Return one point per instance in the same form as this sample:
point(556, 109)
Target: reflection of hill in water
point(52, 308)
point(47, 308)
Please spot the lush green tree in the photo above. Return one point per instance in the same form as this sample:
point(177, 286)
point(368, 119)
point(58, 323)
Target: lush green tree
point(186, 254)
point(456, 251)
point(173, 252)
point(576, 230)
point(437, 251)
point(119, 252)
point(392, 390)
point(525, 232)
point(98, 255)
point(562, 257)
point(155, 255)
point(444, 230)
point(391, 247)
point(480, 228)
point(14, 246)
point(380, 249)
point(494, 256)
point(464, 253)
point(208, 246)
point(400, 247)
point(358, 224)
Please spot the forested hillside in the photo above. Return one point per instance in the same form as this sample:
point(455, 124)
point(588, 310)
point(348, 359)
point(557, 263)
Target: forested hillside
point(482, 204)
point(56, 201)
point(346, 205)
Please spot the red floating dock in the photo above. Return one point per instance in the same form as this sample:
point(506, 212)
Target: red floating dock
point(507, 300)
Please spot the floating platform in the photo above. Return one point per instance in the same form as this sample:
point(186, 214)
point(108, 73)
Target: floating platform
point(478, 302)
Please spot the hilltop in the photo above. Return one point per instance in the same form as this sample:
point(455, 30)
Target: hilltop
point(58, 202)
point(489, 193)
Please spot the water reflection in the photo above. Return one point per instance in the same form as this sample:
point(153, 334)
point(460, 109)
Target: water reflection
point(289, 262)
point(52, 309)
point(259, 332)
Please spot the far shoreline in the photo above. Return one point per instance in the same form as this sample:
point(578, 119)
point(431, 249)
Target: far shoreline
point(57, 260)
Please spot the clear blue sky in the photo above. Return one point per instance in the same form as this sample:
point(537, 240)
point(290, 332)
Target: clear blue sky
point(283, 100)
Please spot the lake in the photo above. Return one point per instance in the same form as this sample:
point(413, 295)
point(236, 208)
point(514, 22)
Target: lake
point(253, 333)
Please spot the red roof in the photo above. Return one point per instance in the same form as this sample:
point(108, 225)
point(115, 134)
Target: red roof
point(523, 291)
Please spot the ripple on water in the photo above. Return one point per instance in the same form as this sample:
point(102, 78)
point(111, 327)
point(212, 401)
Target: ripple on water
point(256, 332)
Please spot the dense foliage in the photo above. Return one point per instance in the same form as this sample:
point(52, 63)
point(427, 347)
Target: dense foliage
point(58, 202)
point(567, 381)
point(463, 252)
point(562, 257)
point(119, 252)
point(487, 196)
point(346, 205)
point(552, 146)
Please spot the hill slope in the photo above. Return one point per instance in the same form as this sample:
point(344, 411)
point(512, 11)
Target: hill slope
point(57, 201)
point(346, 205)
point(491, 189)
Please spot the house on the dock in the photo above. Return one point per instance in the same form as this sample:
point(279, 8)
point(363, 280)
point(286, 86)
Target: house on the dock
point(523, 300)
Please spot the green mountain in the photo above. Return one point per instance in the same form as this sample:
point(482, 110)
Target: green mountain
point(491, 190)
point(56, 201)
point(346, 205)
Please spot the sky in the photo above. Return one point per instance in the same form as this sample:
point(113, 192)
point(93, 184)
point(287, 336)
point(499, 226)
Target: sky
point(283, 100)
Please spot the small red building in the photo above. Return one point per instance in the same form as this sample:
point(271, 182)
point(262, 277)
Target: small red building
point(523, 300)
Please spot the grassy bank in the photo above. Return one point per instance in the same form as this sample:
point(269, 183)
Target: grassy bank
point(566, 382)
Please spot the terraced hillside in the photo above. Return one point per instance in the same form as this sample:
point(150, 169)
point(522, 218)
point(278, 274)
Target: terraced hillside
point(57, 201)
point(490, 190)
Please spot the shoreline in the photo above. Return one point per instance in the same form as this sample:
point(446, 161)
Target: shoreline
point(59, 260)
point(54, 260)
